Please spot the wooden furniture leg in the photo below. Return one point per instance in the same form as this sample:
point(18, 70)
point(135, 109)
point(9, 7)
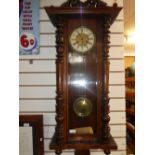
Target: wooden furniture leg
point(107, 152)
point(58, 152)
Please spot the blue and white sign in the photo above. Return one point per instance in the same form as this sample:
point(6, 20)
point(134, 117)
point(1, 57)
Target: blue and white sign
point(29, 27)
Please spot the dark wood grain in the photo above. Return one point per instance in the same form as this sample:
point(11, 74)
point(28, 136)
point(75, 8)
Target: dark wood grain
point(82, 152)
point(98, 17)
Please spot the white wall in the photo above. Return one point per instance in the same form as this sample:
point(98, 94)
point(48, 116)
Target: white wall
point(37, 81)
point(129, 26)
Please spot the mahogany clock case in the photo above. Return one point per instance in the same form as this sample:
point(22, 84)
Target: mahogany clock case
point(89, 66)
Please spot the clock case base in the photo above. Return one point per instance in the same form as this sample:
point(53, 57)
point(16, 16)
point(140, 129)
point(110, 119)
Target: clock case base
point(109, 143)
point(83, 147)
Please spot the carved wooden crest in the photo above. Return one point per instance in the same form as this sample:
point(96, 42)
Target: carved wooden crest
point(88, 3)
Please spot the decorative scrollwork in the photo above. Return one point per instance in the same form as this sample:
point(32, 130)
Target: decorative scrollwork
point(72, 3)
point(95, 3)
point(88, 3)
point(59, 39)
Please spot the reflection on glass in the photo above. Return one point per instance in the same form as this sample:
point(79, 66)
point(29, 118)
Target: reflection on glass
point(75, 58)
point(80, 83)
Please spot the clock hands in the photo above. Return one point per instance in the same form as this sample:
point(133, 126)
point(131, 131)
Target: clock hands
point(82, 39)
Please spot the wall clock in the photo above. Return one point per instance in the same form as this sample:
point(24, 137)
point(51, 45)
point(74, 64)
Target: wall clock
point(82, 71)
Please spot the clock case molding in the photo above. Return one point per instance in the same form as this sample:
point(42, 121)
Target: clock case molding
point(98, 10)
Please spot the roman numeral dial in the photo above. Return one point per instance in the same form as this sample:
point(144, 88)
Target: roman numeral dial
point(82, 39)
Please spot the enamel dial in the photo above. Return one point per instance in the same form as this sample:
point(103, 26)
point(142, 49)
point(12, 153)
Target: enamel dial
point(82, 39)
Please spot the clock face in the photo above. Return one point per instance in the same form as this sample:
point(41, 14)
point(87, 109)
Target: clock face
point(82, 39)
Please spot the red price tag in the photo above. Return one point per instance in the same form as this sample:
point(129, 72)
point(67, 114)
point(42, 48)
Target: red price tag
point(23, 40)
point(32, 41)
point(27, 41)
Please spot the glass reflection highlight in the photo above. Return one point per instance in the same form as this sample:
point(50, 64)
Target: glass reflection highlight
point(80, 83)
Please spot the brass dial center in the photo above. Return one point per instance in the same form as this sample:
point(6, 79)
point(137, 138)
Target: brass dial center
point(82, 107)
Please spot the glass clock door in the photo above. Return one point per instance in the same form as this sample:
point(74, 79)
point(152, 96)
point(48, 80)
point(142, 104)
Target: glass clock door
point(82, 78)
